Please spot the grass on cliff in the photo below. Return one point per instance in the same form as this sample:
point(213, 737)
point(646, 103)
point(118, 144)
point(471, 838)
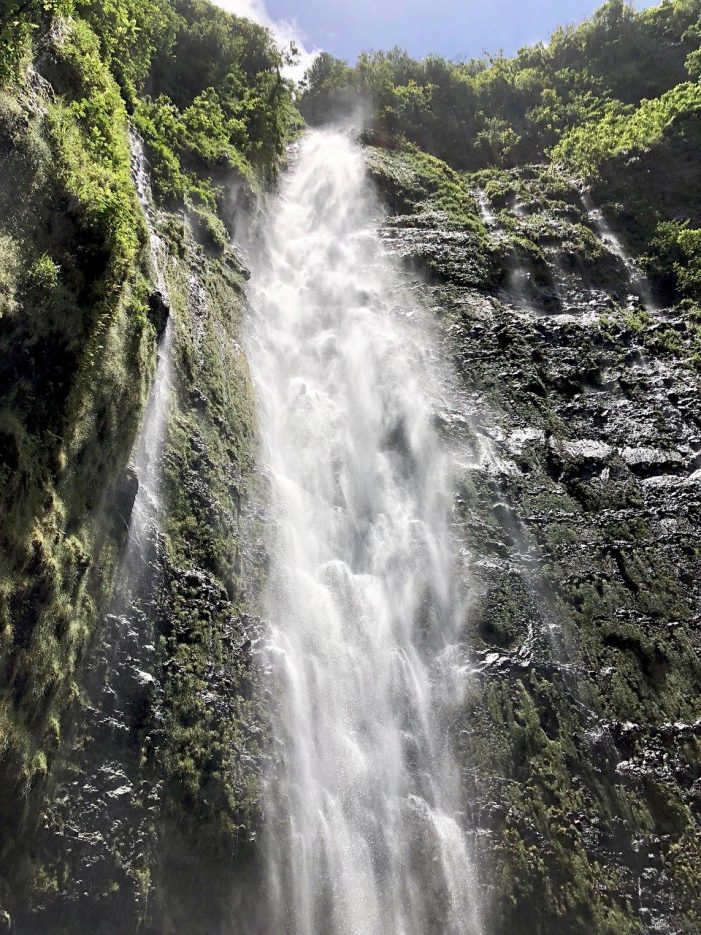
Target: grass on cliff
point(78, 353)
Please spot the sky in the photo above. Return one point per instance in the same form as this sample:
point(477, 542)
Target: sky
point(453, 28)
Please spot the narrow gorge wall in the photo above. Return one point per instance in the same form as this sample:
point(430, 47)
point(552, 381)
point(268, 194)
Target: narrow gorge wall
point(156, 790)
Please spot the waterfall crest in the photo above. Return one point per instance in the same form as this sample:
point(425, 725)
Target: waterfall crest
point(365, 601)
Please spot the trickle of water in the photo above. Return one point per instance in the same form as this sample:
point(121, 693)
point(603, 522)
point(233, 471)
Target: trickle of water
point(518, 277)
point(485, 209)
point(365, 833)
point(101, 817)
point(149, 446)
point(638, 282)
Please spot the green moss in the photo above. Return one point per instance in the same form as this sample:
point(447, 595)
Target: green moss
point(87, 128)
point(208, 225)
point(417, 183)
point(9, 274)
point(77, 357)
point(205, 748)
point(535, 768)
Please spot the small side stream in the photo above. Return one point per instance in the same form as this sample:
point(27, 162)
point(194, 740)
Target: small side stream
point(100, 823)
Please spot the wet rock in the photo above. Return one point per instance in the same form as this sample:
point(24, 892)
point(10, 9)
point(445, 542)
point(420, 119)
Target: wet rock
point(124, 497)
point(159, 312)
point(651, 462)
point(586, 579)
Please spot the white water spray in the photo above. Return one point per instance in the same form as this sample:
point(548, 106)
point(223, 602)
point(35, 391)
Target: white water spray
point(364, 829)
point(151, 441)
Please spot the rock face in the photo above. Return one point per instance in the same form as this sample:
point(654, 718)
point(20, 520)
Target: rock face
point(155, 797)
point(76, 365)
point(130, 729)
point(581, 738)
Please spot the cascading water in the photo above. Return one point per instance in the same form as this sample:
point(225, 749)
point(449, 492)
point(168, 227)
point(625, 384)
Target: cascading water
point(518, 277)
point(637, 281)
point(364, 829)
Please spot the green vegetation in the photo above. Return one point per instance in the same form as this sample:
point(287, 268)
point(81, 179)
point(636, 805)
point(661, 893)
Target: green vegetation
point(204, 88)
point(76, 360)
point(604, 101)
point(416, 182)
point(628, 130)
point(218, 110)
point(22, 22)
point(78, 343)
point(209, 752)
point(512, 111)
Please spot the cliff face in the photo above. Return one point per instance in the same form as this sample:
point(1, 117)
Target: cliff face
point(131, 714)
point(77, 359)
point(154, 793)
point(131, 737)
point(581, 741)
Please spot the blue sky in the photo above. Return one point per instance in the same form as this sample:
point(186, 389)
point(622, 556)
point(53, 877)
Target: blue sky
point(454, 28)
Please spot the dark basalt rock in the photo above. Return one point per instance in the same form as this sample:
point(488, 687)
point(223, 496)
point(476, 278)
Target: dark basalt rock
point(124, 496)
point(582, 759)
point(159, 312)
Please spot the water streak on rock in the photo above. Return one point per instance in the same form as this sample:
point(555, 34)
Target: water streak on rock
point(103, 811)
point(638, 282)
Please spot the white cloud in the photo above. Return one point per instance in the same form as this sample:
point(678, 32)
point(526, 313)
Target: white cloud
point(285, 33)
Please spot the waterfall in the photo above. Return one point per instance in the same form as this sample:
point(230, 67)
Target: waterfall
point(366, 597)
point(638, 283)
point(151, 440)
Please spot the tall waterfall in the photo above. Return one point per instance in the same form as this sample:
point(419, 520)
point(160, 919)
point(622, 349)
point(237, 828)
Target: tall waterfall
point(364, 829)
